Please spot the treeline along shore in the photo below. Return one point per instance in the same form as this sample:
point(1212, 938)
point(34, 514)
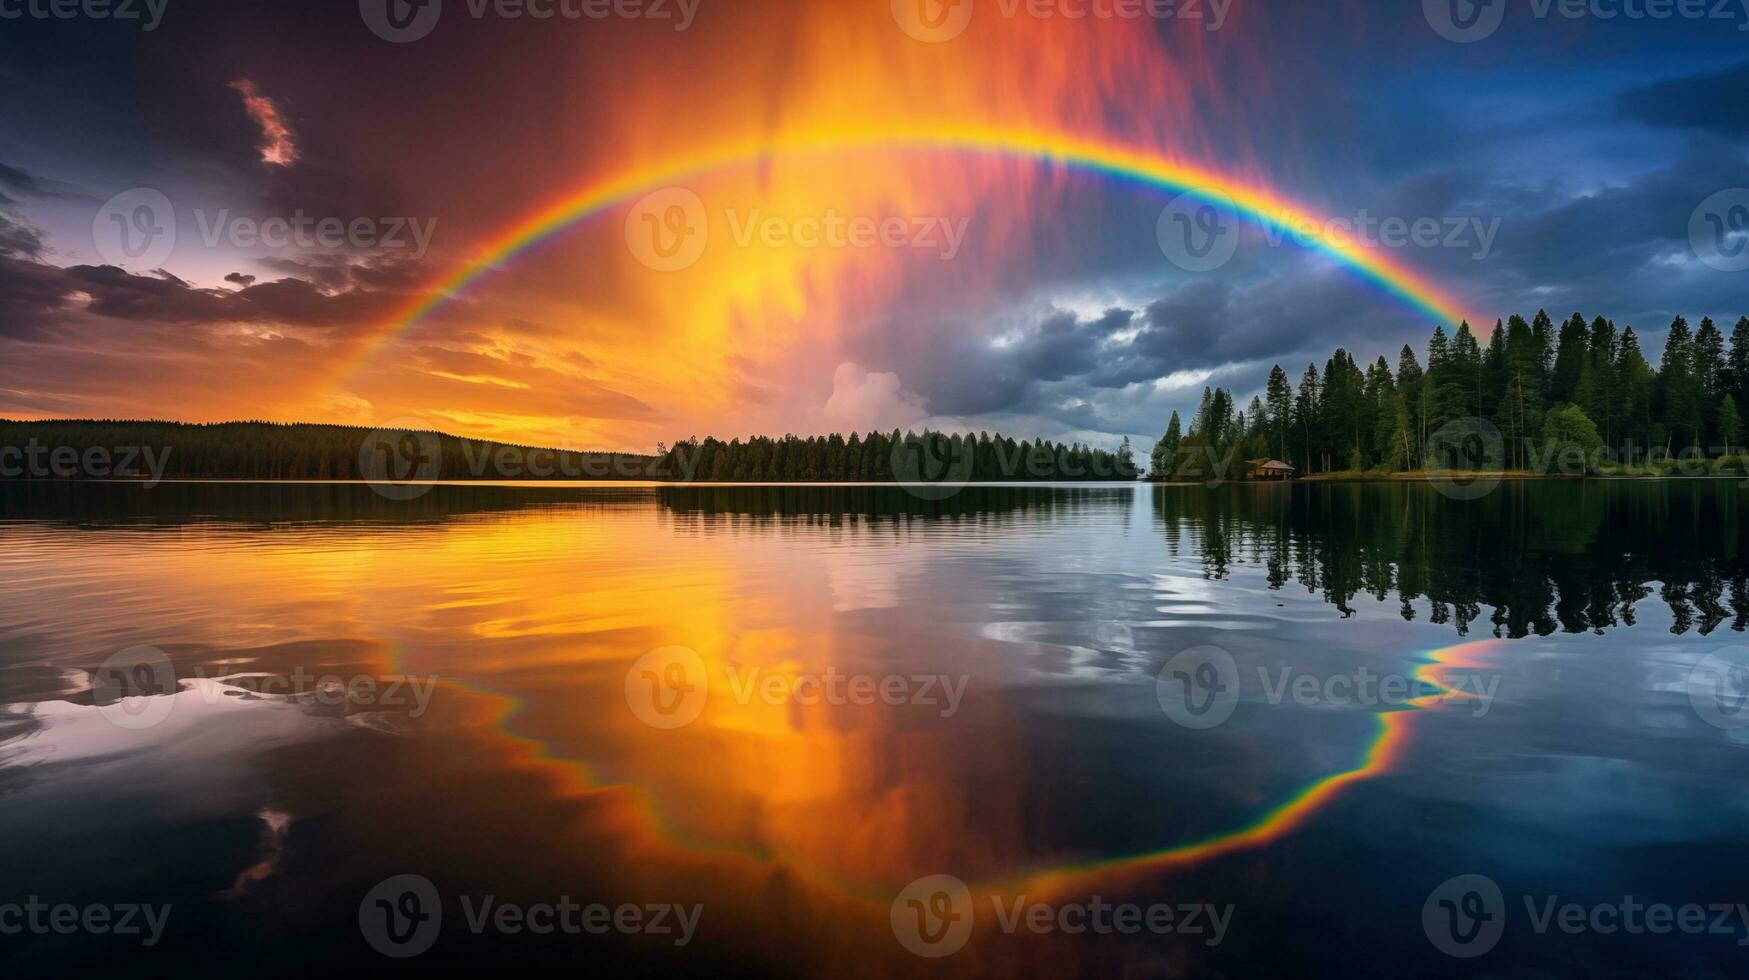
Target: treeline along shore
point(78, 449)
point(1536, 398)
point(153, 451)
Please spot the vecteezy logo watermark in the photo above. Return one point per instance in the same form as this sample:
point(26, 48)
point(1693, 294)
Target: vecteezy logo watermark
point(938, 21)
point(402, 21)
point(304, 231)
point(1718, 230)
point(935, 465)
point(668, 688)
point(1466, 917)
point(149, 11)
point(133, 689)
point(35, 461)
point(1718, 687)
point(402, 917)
point(1464, 21)
point(1199, 687)
point(932, 21)
point(934, 917)
point(135, 228)
point(1198, 230)
point(668, 229)
point(1464, 458)
point(40, 918)
point(401, 460)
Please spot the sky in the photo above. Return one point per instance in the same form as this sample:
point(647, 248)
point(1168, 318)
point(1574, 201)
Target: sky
point(800, 217)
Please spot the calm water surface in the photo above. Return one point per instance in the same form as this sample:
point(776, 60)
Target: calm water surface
point(1288, 716)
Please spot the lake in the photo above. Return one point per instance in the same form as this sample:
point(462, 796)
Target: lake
point(1363, 730)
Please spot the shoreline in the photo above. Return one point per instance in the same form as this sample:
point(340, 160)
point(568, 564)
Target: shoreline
point(1468, 476)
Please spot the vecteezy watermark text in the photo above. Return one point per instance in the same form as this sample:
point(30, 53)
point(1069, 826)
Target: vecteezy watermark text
point(308, 232)
point(402, 917)
point(1200, 688)
point(934, 917)
point(402, 21)
point(939, 21)
point(1467, 916)
point(139, 227)
point(944, 236)
point(35, 461)
point(668, 230)
point(1469, 21)
point(37, 917)
point(135, 688)
point(404, 460)
point(1200, 230)
point(149, 12)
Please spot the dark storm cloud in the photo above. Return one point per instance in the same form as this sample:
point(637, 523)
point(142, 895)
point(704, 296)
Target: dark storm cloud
point(33, 293)
point(30, 293)
point(1064, 346)
point(1716, 102)
point(15, 183)
point(19, 239)
point(1621, 250)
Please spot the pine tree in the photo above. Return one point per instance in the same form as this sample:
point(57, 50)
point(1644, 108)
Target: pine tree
point(1466, 372)
point(1679, 387)
point(1730, 423)
point(1307, 411)
point(1442, 385)
point(1739, 361)
point(1709, 359)
point(1411, 389)
point(1542, 331)
point(1280, 396)
point(1570, 360)
point(1163, 461)
point(1638, 386)
point(1494, 372)
point(1522, 404)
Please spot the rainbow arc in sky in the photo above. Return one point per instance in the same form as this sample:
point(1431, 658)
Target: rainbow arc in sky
point(1250, 199)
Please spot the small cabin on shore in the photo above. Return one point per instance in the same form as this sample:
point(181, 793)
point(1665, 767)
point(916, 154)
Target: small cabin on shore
point(1274, 469)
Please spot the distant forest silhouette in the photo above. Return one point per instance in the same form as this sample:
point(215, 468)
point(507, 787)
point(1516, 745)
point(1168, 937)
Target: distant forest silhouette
point(1544, 387)
point(60, 449)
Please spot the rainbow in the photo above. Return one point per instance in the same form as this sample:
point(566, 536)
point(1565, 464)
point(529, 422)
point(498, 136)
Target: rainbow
point(1384, 754)
point(1252, 200)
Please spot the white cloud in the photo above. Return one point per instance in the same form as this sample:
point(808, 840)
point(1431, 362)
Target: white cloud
point(865, 401)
